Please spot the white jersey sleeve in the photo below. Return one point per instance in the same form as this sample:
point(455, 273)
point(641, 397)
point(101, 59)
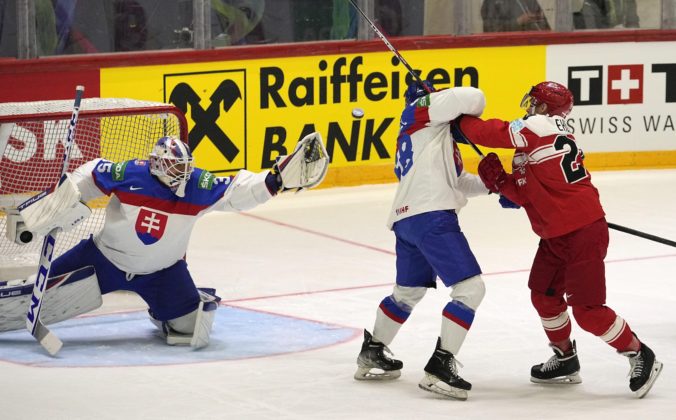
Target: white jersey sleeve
point(246, 191)
point(84, 180)
point(471, 185)
point(448, 104)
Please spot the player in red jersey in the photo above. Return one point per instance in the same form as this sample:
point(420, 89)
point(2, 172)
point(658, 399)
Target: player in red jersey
point(550, 181)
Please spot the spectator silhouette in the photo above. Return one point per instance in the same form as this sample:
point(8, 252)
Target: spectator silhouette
point(513, 15)
point(388, 18)
point(603, 14)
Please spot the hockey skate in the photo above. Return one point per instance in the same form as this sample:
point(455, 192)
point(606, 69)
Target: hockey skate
point(372, 362)
point(644, 370)
point(559, 369)
point(441, 375)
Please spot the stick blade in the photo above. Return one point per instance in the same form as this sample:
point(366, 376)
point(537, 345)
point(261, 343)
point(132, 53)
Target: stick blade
point(47, 339)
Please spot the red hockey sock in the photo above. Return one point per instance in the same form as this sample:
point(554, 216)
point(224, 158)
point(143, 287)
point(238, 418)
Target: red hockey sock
point(566, 346)
point(634, 345)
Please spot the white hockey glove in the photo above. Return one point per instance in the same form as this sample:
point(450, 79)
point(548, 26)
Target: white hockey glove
point(306, 167)
point(60, 208)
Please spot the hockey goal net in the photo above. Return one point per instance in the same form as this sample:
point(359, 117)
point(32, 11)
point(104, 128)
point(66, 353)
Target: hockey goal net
point(32, 137)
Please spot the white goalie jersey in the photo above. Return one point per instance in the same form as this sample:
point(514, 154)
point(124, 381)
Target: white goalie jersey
point(428, 162)
point(147, 226)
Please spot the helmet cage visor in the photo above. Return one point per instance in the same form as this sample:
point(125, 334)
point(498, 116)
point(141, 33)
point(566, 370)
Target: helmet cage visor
point(528, 103)
point(172, 171)
point(171, 162)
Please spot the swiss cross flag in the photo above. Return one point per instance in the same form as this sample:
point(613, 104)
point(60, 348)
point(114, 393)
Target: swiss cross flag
point(625, 84)
point(150, 225)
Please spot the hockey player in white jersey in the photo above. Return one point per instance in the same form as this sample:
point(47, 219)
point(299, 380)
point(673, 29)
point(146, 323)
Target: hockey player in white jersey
point(154, 205)
point(433, 186)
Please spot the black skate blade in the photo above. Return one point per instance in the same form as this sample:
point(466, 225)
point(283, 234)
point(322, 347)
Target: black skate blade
point(431, 383)
point(654, 373)
point(561, 380)
point(375, 374)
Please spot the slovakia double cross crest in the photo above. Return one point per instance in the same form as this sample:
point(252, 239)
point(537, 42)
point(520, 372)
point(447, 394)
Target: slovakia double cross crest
point(150, 225)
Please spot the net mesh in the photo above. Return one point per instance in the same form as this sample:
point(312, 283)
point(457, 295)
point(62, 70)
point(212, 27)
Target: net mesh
point(32, 135)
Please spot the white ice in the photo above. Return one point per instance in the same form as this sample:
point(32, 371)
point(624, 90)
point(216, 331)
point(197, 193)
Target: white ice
point(326, 255)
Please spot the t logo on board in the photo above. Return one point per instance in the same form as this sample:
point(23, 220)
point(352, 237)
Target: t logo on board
point(624, 84)
point(586, 84)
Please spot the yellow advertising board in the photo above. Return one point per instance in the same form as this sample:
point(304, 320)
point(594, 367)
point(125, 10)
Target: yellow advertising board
point(243, 114)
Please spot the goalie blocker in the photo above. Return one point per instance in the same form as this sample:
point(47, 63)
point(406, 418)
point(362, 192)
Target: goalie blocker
point(59, 207)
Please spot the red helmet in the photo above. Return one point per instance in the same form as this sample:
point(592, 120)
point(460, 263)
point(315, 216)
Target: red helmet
point(558, 98)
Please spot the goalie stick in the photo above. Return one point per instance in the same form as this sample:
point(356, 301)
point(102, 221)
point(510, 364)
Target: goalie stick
point(396, 53)
point(42, 334)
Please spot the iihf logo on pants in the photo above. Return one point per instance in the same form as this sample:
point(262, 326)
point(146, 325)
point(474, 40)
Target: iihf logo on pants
point(150, 225)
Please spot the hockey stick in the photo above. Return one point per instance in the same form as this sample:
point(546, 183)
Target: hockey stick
point(396, 53)
point(391, 47)
point(642, 234)
point(46, 338)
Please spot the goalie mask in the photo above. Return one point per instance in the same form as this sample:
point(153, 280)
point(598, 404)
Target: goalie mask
point(172, 163)
point(558, 98)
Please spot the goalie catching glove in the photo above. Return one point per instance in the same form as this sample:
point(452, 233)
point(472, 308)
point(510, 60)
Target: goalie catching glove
point(304, 168)
point(59, 207)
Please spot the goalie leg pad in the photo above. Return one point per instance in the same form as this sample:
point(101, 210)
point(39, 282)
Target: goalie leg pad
point(66, 296)
point(193, 328)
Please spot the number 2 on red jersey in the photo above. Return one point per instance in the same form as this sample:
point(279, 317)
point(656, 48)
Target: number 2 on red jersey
point(571, 163)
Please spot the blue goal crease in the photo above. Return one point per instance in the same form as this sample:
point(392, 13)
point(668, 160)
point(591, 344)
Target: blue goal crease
point(130, 339)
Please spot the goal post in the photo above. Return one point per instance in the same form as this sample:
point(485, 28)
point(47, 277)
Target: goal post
point(32, 136)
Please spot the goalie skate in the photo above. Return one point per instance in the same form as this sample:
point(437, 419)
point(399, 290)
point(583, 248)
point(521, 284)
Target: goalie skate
point(373, 364)
point(559, 369)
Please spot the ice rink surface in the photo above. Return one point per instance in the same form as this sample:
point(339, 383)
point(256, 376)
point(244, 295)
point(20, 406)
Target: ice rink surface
point(302, 275)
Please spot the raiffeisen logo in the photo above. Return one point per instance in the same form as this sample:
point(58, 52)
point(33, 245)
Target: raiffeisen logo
point(324, 85)
point(325, 88)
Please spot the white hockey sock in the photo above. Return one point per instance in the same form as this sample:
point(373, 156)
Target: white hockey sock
point(394, 310)
point(385, 328)
point(452, 336)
